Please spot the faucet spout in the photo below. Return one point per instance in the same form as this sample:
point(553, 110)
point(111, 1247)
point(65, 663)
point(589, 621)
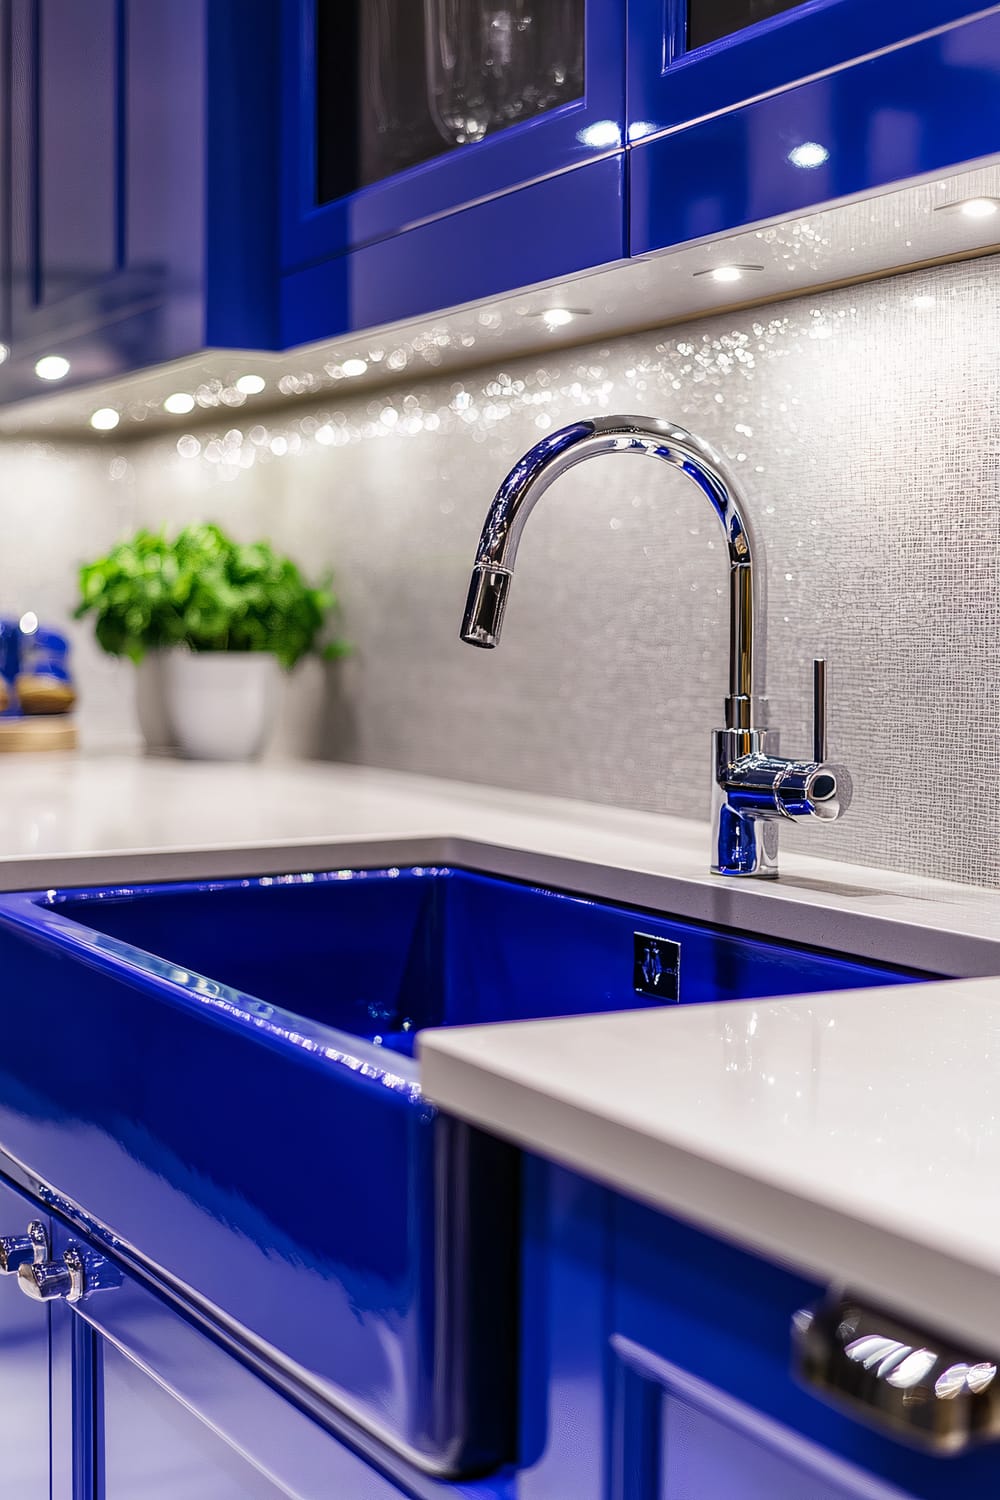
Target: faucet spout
point(754, 788)
point(647, 436)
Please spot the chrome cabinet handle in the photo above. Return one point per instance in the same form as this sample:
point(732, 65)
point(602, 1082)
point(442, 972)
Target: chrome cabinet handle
point(910, 1383)
point(80, 1272)
point(53, 1279)
point(17, 1250)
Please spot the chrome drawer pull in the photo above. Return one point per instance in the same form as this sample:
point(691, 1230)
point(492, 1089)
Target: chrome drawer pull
point(54, 1279)
point(79, 1273)
point(17, 1250)
point(911, 1384)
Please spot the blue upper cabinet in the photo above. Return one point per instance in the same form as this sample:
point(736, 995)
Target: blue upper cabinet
point(436, 151)
point(141, 163)
point(756, 109)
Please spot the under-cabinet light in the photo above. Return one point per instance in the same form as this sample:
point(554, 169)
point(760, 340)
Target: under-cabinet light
point(105, 419)
point(179, 404)
point(970, 208)
point(52, 367)
point(727, 273)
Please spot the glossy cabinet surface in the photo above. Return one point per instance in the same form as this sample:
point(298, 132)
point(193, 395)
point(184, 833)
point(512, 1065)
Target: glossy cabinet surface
point(555, 103)
point(24, 1371)
point(688, 59)
point(152, 1446)
point(267, 173)
point(666, 1369)
point(426, 151)
point(877, 95)
point(140, 183)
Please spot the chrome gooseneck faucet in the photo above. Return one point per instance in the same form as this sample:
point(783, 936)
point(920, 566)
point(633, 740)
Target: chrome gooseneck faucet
point(753, 787)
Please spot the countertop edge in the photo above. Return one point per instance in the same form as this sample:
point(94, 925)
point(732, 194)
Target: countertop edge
point(813, 1238)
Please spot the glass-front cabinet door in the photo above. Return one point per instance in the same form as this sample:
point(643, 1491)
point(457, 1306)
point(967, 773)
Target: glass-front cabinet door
point(688, 59)
point(398, 112)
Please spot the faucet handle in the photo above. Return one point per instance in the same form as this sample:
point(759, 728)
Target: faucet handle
point(819, 709)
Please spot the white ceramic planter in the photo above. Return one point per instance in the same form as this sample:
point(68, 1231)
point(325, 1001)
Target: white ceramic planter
point(151, 705)
point(221, 705)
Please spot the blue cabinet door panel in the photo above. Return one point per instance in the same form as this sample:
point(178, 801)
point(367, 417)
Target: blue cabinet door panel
point(67, 166)
point(702, 1343)
point(563, 138)
point(153, 1448)
point(669, 87)
point(150, 1397)
point(882, 121)
point(143, 201)
point(678, 1438)
point(554, 228)
point(78, 163)
point(24, 1372)
point(565, 1275)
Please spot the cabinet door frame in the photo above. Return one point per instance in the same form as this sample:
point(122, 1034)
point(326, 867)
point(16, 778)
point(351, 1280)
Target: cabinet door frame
point(569, 136)
point(643, 1382)
point(669, 87)
point(26, 1352)
point(36, 310)
point(912, 111)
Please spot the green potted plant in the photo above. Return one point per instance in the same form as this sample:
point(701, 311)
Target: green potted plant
point(219, 617)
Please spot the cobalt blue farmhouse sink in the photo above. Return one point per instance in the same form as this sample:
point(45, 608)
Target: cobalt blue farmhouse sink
point(222, 1076)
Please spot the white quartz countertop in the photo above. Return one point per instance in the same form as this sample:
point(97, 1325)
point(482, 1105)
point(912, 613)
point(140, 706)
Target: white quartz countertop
point(855, 1135)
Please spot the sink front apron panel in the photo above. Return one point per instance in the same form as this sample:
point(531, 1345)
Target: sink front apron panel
point(221, 1075)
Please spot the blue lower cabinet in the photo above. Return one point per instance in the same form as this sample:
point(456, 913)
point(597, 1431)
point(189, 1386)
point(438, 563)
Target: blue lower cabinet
point(656, 1366)
point(148, 1404)
point(152, 1445)
point(24, 1370)
point(702, 1399)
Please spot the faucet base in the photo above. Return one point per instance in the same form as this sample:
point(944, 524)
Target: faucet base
point(744, 846)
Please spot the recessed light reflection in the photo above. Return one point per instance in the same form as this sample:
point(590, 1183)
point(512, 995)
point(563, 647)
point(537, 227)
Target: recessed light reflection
point(354, 367)
point(809, 154)
point(105, 419)
point(971, 208)
point(726, 273)
point(179, 404)
point(554, 317)
point(979, 208)
point(28, 623)
point(250, 385)
point(52, 367)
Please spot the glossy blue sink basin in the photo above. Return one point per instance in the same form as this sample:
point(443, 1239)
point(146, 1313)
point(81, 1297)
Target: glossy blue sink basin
point(222, 1076)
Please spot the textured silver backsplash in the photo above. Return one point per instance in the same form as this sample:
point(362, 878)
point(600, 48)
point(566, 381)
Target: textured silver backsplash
point(864, 426)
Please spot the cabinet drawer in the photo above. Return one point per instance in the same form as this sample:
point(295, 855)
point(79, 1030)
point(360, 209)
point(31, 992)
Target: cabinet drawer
point(175, 1414)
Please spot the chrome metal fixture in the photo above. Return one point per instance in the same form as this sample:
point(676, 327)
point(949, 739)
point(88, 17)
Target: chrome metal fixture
point(80, 1272)
point(17, 1250)
point(895, 1376)
point(754, 788)
point(51, 1280)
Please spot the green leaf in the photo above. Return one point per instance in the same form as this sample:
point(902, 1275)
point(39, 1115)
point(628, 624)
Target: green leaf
point(208, 592)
